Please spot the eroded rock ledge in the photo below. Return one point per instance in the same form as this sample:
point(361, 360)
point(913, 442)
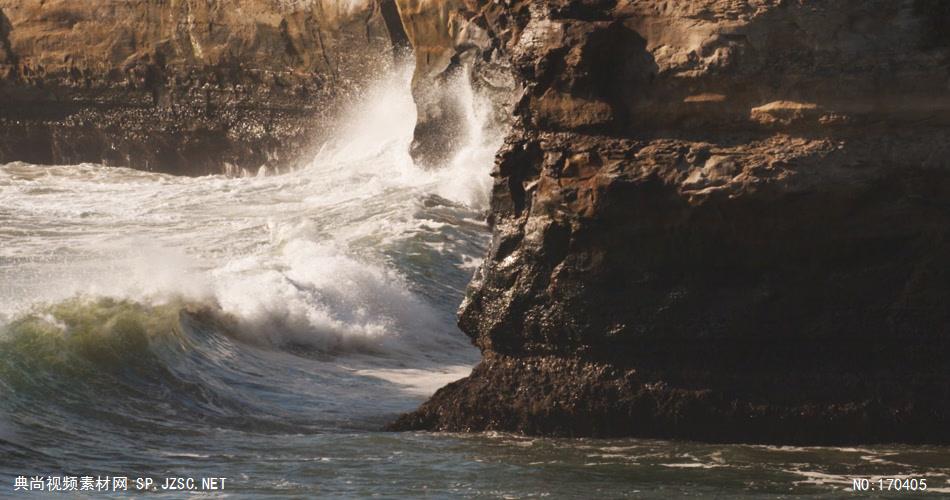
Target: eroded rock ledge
point(718, 220)
point(183, 86)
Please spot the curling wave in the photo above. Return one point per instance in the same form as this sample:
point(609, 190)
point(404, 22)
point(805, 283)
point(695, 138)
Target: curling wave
point(137, 306)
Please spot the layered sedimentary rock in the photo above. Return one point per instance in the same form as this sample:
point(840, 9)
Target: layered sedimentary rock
point(182, 86)
point(721, 220)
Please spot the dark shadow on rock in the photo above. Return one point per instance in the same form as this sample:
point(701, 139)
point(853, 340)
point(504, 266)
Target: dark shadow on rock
point(935, 17)
point(402, 48)
point(9, 63)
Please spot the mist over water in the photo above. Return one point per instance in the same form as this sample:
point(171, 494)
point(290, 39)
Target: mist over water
point(264, 327)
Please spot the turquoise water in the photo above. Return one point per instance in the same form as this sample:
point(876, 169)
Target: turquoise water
point(264, 328)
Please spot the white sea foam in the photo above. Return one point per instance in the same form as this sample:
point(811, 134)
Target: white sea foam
point(311, 257)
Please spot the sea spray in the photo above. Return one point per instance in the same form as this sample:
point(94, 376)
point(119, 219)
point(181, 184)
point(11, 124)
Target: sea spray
point(152, 324)
point(336, 257)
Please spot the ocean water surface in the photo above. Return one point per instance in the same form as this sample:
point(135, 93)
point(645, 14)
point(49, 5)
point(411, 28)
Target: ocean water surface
point(264, 328)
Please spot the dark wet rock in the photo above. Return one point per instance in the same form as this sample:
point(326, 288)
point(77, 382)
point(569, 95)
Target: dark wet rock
point(715, 220)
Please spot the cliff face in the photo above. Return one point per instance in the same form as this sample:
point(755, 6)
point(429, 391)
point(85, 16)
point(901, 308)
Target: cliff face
point(721, 220)
point(182, 86)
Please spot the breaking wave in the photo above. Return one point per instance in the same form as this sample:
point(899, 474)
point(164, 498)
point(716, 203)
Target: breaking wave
point(325, 294)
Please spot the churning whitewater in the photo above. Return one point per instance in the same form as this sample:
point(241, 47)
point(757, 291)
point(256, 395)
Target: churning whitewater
point(316, 299)
point(263, 328)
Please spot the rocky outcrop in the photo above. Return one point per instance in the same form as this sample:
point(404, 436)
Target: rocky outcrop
point(718, 220)
point(182, 86)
